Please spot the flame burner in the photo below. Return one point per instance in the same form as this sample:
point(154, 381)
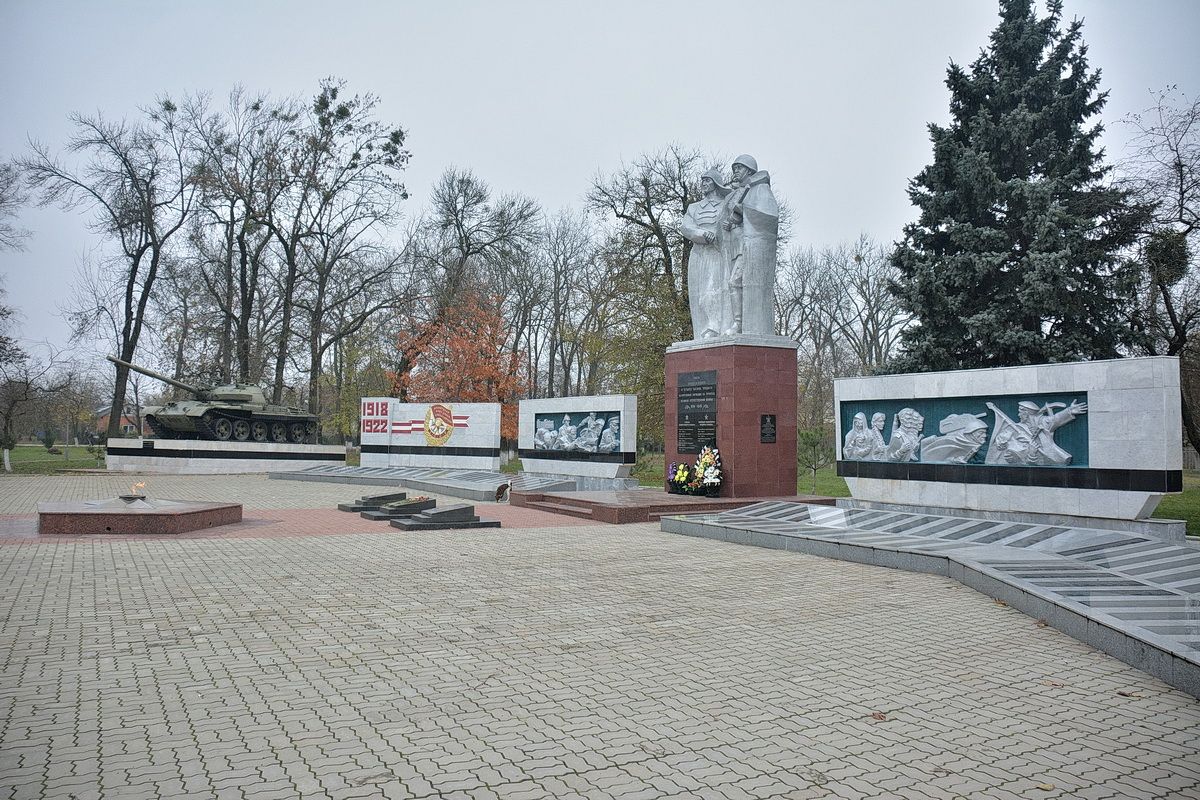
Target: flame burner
point(134, 514)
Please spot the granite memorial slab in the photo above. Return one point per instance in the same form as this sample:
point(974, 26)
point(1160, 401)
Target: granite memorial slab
point(134, 515)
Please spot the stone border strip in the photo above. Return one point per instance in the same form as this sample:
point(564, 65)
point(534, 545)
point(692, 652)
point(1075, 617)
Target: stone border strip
point(478, 485)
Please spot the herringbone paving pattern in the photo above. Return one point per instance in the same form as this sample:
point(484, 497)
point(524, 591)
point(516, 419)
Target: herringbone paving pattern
point(584, 661)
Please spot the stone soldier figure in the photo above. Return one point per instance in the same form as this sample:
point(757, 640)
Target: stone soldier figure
point(752, 226)
point(906, 436)
point(961, 436)
point(706, 265)
point(610, 440)
point(1031, 439)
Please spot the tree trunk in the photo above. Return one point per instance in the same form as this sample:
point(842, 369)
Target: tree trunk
point(116, 411)
point(7, 462)
point(1189, 421)
point(285, 331)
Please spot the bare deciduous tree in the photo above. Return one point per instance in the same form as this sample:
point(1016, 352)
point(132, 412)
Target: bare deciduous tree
point(1163, 170)
point(646, 200)
point(240, 150)
point(26, 381)
point(837, 304)
point(12, 197)
point(138, 184)
point(336, 180)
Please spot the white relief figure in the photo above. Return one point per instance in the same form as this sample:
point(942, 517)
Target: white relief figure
point(706, 265)
point(566, 434)
point(589, 434)
point(544, 437)
point(905, 443)
point(610, 440)
point(859, 442)
point(878, 445)
point(1030, 440)
point(597, 428)
point(961, 437)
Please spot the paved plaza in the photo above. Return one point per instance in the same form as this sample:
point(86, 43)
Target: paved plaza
point(313, 654)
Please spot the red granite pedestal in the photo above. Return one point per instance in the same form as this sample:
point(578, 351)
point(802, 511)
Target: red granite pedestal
point(752, 382)
point(134, 515)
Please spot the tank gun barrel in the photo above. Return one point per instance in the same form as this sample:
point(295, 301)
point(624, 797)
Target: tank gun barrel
point(187, 387)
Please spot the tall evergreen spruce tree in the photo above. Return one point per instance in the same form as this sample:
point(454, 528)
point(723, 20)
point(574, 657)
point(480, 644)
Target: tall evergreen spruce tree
point(1016, 257)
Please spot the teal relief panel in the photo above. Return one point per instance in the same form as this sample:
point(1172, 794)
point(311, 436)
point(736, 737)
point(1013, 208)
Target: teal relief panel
point(575, 431)
point(1043, 430)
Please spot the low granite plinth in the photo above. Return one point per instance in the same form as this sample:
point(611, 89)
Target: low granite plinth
point(456, 517)
point(134, 516)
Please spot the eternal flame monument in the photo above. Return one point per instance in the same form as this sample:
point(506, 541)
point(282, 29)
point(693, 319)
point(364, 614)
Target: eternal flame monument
point(734, 385)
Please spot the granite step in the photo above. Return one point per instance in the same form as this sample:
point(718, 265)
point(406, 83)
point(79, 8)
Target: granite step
point(567, 510)
point(457, 516)
point(458, 512)
point(413, 524)
point(370, 502)
point(398, 510)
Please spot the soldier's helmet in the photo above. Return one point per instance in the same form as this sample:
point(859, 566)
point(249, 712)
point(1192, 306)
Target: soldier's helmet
point(746, 161)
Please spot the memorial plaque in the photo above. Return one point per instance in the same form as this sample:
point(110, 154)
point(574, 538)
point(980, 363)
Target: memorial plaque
point(697, 411)
point(766, 429)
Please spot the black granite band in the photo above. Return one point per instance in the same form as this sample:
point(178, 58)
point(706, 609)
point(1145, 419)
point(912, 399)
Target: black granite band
point(421, 450)
point(1125, 480)
point(593, 458)
point(162, 452)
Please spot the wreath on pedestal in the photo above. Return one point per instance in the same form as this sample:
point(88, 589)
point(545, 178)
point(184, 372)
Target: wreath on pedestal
point(701, 478)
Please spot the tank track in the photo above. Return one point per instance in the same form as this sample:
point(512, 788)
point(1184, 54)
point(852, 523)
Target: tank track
point(205, 426)
point(159, 430)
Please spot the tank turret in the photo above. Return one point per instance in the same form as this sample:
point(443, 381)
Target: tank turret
point(228, 412)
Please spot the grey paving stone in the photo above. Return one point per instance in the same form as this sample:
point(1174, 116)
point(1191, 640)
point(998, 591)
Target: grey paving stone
point(600, 661)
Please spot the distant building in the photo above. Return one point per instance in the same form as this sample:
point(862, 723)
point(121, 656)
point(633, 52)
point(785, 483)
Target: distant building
point(129, 418)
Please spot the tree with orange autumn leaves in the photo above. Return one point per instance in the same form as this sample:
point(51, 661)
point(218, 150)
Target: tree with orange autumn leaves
point(462, 356)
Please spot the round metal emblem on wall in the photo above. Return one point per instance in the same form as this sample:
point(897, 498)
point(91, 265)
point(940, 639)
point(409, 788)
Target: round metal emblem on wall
point(439, 424)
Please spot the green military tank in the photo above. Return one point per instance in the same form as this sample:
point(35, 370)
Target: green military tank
point(231, 412)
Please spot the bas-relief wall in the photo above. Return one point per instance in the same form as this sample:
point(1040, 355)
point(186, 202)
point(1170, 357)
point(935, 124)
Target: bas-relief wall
point(1106, 435)
point(435, 435)
point(587, 436)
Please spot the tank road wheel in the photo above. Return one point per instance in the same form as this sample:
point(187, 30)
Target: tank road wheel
point(296, 432)
point(222, 428)
point(241, 430)
point(259, 431)
point(310, 432)
point(278, 432)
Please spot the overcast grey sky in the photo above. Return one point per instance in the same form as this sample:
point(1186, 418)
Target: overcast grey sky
point(831, 97)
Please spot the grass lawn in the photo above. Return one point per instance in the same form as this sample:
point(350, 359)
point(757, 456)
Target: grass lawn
point(1185, 506)
point(36, 460)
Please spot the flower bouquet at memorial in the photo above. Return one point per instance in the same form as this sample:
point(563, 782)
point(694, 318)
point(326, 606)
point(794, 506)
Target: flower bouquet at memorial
point(708, 472)
point(679, 478)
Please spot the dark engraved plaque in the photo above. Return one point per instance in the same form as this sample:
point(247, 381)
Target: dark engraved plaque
point(766, 429)
point(697, 411)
